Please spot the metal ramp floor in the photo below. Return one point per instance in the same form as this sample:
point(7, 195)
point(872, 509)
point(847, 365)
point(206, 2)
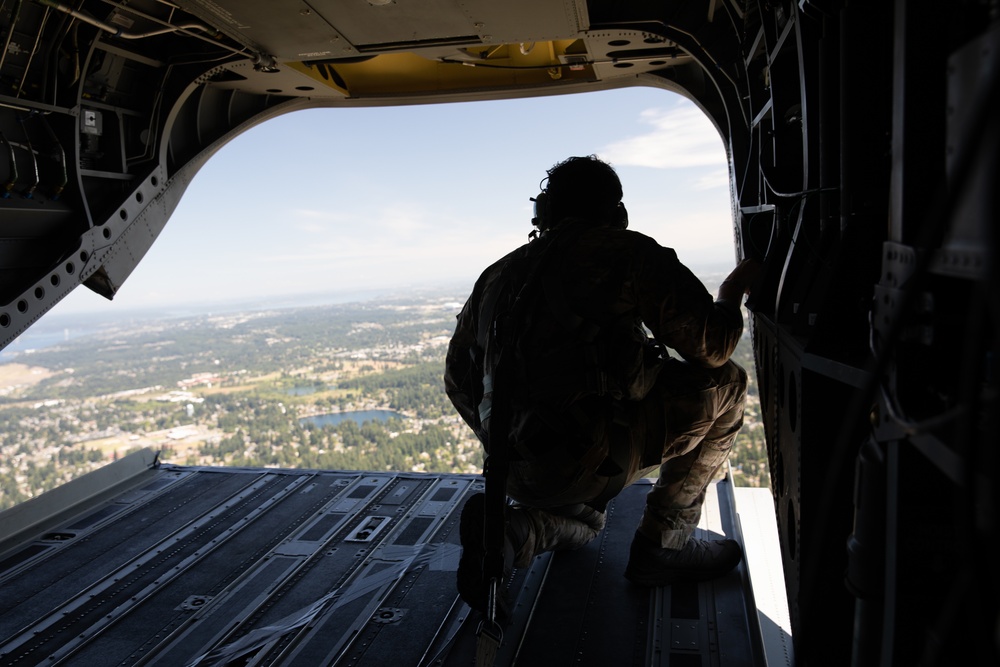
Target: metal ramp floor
point(224, 566)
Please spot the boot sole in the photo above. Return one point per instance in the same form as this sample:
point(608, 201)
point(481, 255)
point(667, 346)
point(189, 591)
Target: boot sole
point(649, 573)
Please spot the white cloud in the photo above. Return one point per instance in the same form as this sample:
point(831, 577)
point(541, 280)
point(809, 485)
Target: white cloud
point(332, 255)
point(313, 221)
point(392, 222)
point(717, 178)
point(403, 219)
point(321, 215)
point(310, 227)
point(680, 137)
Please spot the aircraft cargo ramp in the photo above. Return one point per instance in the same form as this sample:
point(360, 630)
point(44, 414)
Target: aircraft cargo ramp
point(143, 563)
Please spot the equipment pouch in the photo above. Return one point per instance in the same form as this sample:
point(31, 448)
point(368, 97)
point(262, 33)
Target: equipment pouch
point(654, 355)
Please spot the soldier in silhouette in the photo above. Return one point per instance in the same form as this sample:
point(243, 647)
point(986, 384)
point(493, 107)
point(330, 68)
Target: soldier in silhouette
point(577, 323)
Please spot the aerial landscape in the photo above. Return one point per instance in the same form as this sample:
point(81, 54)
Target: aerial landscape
point(345, 386)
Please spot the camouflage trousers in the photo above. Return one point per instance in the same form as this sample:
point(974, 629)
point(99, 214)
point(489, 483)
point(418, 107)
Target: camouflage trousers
point(685, 426)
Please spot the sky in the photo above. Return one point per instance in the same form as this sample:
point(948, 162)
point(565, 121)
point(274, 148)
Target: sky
point(344, 201)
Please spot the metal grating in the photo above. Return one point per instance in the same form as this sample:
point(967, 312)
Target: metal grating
point(225, 566)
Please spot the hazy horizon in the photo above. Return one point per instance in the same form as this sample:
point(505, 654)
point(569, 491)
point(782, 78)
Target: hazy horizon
point(56, 325)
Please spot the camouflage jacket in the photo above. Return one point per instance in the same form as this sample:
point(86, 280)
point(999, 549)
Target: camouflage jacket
point(583, 339)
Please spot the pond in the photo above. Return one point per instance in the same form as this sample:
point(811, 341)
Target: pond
point(358, 416)
point(303, 391)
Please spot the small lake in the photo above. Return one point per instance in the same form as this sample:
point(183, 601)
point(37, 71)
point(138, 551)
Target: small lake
point(303, 391)
point(358, 416)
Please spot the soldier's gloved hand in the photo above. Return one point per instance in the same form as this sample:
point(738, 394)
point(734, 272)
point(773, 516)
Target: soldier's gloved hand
point(739, 282)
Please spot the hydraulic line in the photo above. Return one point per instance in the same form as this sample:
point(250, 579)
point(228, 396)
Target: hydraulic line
point(259, 59)
point(34, 50)
point(60, 157)
point(12, 176)
point(30, 191)
point(118, 32)
point(14, 15)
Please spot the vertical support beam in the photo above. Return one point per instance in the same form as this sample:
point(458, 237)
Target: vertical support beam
point(918, 118)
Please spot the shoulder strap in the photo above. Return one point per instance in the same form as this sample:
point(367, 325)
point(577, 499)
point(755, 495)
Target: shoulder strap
point(500, 319)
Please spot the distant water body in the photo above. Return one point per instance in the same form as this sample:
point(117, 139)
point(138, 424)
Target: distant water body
point(61, 327)
point(358, 416)
point(302, 391)
point(37, 340)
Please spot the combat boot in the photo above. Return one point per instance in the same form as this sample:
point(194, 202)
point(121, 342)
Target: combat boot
point(649, 564)
point(473, 585)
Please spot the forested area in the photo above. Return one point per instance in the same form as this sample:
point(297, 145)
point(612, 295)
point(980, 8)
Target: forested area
point(418, 389)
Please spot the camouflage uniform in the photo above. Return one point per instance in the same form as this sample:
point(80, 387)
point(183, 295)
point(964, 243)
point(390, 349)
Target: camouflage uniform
point(596, 403)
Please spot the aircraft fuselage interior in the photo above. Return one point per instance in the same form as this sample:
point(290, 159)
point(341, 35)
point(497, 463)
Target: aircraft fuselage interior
point(862, 140)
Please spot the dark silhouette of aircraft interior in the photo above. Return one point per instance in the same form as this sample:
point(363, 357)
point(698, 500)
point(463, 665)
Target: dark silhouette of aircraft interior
point(863, 144)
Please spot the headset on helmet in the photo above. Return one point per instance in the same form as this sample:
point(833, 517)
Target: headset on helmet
point(542, 218)
point(581, 187)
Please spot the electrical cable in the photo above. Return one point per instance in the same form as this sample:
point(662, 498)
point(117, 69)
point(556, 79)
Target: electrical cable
point(13, 175)
point(15, 14)
point(191, 29)
point(34, 49)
